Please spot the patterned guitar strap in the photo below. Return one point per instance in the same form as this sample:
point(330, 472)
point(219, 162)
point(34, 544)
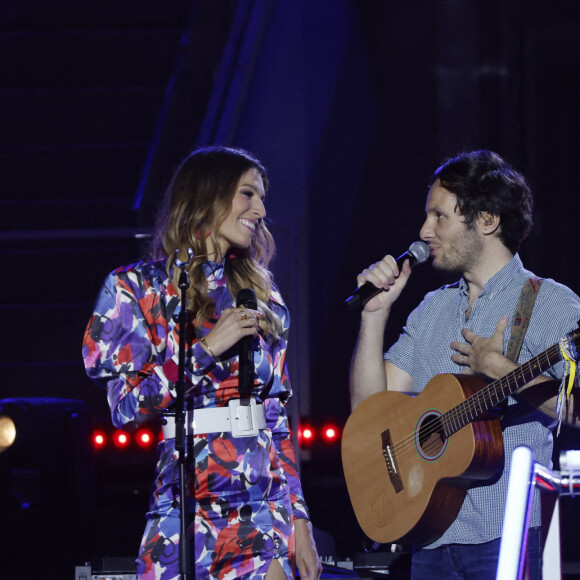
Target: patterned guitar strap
point(522, 317)
point(520, 322)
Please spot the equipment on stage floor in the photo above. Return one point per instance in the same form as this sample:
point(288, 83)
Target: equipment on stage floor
point(364, 566)
point(107, 568)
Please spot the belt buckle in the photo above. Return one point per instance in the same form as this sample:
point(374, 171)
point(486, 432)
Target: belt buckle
point(243, 418)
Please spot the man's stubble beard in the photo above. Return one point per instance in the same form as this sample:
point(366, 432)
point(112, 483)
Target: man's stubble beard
point(463, 254)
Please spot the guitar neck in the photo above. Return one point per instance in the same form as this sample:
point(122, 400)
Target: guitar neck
point(491, 395)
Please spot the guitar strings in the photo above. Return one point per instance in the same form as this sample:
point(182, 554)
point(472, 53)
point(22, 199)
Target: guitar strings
point(472, 406)
point(475, 404)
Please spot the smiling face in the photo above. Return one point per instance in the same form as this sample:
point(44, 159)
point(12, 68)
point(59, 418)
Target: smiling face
point(453, 246)
point(247, 209)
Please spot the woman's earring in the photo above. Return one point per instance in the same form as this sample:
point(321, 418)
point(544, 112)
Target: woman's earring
point(198, 234)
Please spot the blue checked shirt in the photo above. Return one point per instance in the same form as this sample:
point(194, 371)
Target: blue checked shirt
point(423, 351)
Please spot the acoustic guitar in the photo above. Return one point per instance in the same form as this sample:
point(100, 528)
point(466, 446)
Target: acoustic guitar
point(408, 461)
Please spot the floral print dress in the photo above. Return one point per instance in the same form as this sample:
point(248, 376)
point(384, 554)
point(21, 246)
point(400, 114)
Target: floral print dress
point(244, 491)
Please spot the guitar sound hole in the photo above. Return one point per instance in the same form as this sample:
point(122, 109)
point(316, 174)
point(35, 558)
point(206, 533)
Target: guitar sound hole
point(431, 436)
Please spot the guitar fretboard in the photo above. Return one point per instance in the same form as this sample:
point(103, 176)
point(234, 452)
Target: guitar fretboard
point(491, 395)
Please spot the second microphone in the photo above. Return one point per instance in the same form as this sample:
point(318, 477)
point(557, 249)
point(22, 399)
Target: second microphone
point(247, 298)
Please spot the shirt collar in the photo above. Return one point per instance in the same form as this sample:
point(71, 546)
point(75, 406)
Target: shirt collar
point(512, 271)
point(213, 270)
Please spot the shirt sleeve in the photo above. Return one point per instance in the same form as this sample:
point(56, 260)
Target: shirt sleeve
point(401, 353)
point(129, 348)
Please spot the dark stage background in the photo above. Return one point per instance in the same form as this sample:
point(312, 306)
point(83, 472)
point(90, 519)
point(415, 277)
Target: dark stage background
point(350, 104)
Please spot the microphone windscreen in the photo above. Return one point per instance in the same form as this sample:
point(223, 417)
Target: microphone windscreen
point(247, 297)
point(420, 250)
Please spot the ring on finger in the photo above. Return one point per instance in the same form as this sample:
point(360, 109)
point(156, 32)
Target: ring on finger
point(462, 359)
point(244, 315)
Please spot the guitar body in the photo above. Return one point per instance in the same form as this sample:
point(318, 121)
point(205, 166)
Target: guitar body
point(406, 479)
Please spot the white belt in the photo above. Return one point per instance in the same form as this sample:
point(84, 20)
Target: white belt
point(238, 419)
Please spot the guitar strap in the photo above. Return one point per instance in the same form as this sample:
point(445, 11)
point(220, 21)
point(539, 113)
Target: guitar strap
point(522, 317)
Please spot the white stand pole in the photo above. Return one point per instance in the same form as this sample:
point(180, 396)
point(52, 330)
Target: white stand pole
point(552, 560)
point(516, 516)
point(523, 477)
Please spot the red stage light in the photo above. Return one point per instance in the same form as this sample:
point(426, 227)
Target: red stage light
point(144, 438)
point(306, 435)
point(99, 440)
point(330, 433)
point(120, 439)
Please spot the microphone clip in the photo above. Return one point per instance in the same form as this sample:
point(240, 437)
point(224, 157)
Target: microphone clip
point(179, 263)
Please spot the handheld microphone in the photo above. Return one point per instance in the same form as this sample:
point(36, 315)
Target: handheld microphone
point(417, 253)
point(246, 297)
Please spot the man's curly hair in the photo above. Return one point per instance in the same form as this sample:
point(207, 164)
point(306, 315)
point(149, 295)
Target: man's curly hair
point(483, 182)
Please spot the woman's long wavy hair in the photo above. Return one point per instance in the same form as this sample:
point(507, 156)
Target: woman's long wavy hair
point(197, 202)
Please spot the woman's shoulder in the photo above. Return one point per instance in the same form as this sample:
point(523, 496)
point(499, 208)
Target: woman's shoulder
point(138, 278)
point(278, 306)
point(276, 296)
point(146, 270)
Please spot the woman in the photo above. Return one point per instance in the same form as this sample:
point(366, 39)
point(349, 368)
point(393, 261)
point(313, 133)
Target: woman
point(250, 516)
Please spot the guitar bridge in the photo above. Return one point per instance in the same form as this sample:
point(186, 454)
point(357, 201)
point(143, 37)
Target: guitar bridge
point(391, 460)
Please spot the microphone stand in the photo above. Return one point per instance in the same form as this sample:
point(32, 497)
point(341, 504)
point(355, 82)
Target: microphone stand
point(180, 421)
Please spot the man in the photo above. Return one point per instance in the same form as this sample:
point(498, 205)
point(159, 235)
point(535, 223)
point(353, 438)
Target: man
point(478, 211)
